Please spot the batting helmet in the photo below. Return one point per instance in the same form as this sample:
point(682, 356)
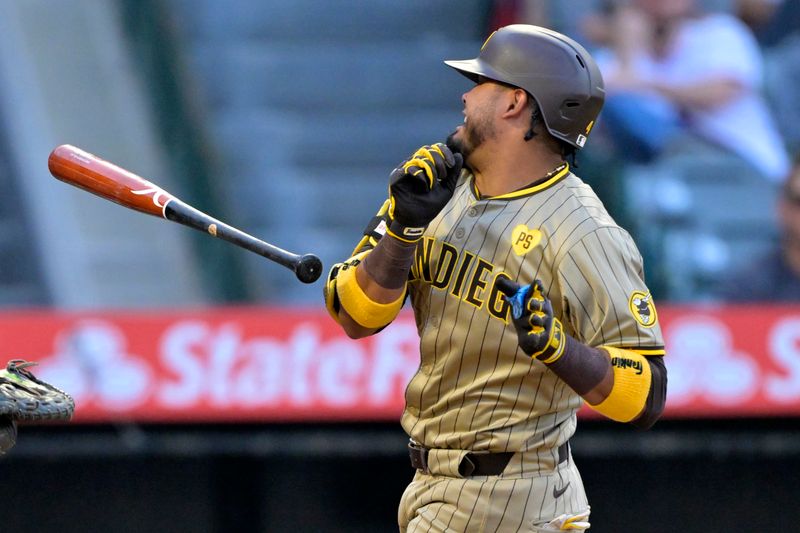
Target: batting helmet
point(558, 72)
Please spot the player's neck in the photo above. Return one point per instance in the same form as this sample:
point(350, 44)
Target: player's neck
point(506, 169)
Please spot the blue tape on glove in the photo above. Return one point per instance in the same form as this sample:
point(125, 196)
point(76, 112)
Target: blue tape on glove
point(518, 301)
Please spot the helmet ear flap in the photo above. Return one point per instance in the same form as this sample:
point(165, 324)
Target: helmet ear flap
point(569, 109)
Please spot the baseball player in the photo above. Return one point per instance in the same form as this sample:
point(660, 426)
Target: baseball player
point(24, 397)
point(528, 298)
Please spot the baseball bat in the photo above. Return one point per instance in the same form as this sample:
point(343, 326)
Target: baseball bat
point(97, 176)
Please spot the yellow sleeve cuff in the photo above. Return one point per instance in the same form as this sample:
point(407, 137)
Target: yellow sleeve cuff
point(632, 379)
point(361, 308)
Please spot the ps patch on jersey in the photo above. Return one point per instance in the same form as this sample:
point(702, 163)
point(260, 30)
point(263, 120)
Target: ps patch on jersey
point(642, 308)
point(524, 239)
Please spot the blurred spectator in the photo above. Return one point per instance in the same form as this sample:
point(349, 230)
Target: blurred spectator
point(770, 20)
point(672, 70)
point(776, 275)
point(505, 12)
point(554, 14)
point(782, 78)
point(756, 13)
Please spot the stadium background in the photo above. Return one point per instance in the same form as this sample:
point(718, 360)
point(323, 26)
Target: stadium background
point(214, 394)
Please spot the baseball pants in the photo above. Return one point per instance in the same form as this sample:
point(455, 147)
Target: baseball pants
point(525, 497)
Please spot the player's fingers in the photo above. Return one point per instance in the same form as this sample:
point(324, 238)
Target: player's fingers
point(538, 290)
point(436, 160)
point(450, 181)
point(415, 177)
point(422, 152)
point(547, 308)
point(535, 326)
point(398, 173)
point(439, 163)
point(533, 305)
point(537, 322)
point(506, 286)
point(458, 163)
point(446, 153)
point(420, 168)
point(428, 156)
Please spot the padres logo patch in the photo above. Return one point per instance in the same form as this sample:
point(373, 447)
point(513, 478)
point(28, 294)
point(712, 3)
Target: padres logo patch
point(524, 239)
point(642, 308)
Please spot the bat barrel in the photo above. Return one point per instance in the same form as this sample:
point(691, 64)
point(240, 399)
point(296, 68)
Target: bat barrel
point(97, 176)
point(102, 178)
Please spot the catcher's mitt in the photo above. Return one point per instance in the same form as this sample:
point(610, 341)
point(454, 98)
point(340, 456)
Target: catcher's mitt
point(25, 397)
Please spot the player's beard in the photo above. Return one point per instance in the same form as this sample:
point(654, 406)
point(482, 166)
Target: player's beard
point(473, 134)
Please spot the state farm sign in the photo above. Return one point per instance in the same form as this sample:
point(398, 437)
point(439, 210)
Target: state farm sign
point(257, 364)
point(733, 361)
point(217, 365)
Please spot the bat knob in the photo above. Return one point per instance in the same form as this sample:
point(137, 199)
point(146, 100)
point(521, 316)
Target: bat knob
point(308, 268)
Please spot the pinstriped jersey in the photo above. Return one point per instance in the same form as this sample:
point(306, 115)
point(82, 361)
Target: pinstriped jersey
point(475, 388)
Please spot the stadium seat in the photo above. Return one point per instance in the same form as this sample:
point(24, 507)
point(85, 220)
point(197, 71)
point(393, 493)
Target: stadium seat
point(696, 215)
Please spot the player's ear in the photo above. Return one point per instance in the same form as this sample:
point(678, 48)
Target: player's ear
point(516, 103)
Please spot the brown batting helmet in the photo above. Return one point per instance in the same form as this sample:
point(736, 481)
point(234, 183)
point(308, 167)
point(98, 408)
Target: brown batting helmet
point(557, 71)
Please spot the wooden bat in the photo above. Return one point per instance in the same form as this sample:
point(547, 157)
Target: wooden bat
point(90, 173)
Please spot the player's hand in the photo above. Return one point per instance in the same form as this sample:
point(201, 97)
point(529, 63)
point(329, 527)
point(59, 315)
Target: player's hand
point(540, 334)
point(419, 188)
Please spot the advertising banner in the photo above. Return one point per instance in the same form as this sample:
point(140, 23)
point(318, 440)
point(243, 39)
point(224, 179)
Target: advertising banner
point(275, 364)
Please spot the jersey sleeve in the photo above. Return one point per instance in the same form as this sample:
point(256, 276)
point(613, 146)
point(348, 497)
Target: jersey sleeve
point(606, 300)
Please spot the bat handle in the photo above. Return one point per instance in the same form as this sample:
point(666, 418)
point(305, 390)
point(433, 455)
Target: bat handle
point(308, 268)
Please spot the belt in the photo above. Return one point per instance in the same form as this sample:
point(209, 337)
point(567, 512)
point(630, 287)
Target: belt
point(474, 464)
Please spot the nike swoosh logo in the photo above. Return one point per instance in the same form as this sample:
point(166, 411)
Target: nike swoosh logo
point(557, 493)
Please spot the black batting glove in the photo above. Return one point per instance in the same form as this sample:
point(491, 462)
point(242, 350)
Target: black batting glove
point(540, 334)
point(419, 188)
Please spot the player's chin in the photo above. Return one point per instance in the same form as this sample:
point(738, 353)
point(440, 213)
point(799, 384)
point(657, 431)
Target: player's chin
point(455, 140)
